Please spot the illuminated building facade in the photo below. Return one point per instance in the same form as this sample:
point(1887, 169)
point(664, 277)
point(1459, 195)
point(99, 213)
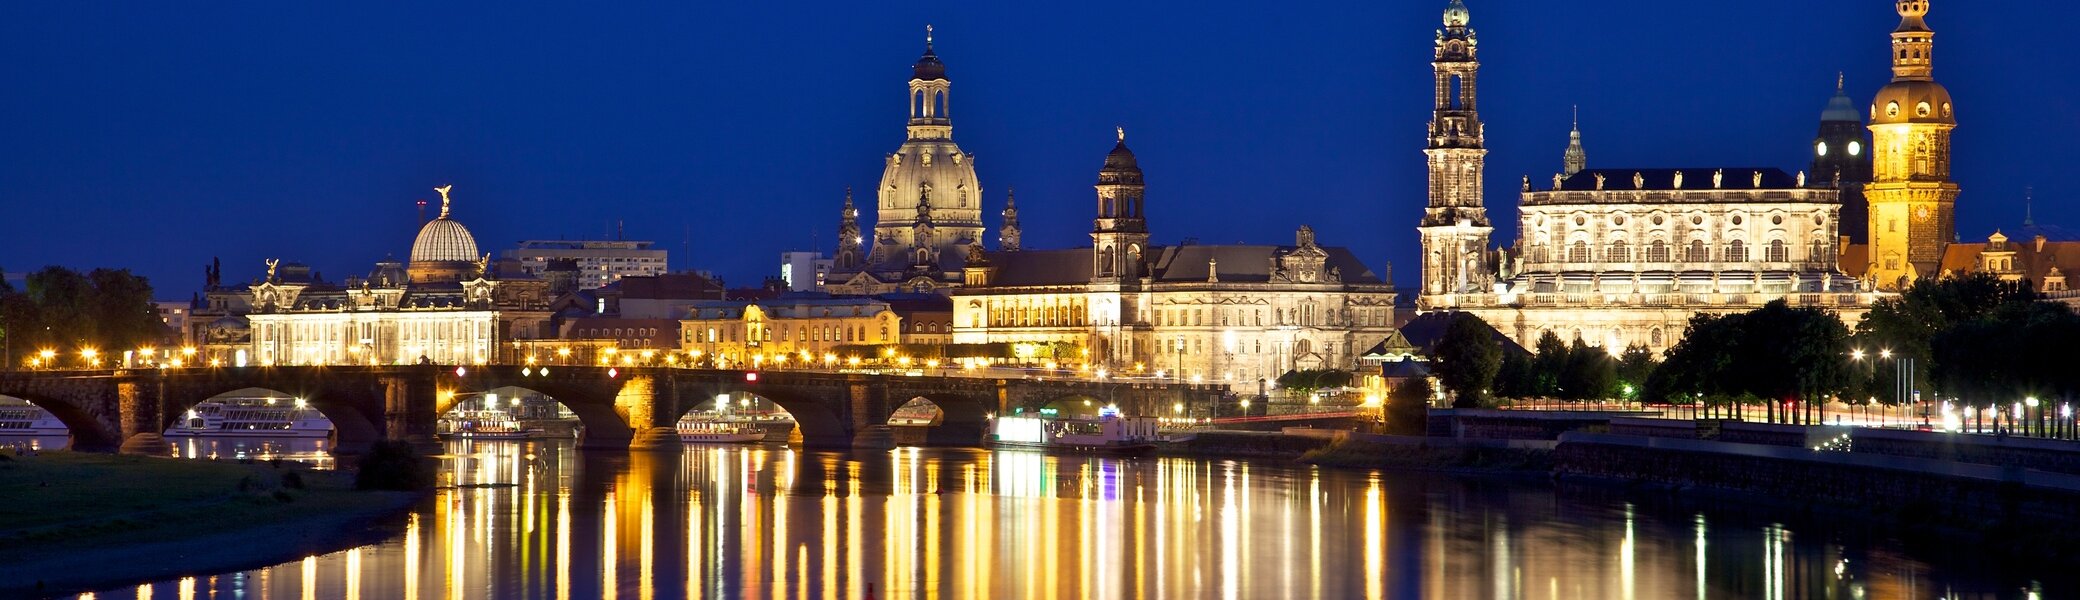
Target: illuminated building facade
point(1236, 313)
point(599, 262)
point(820, 325)
point(928, 208)
point(446, 305)
point(1913, 201)
point(1618, 257)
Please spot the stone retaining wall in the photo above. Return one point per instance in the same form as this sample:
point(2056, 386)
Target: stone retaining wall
point(1957, 491)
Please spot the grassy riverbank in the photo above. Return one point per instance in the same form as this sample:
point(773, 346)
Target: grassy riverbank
point(70, 521)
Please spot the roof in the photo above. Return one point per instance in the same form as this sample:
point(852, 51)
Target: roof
point(1734, 178)
point(2032, 261)
point(444, 240)
point(1424, 331)
point(1168, 264)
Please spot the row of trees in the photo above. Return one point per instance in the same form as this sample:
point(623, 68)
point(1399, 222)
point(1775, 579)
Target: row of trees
point(1473, 366)
point(62, 309)
point(1975, 338)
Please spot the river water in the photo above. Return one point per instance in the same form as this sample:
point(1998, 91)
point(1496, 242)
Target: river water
point(539, 519)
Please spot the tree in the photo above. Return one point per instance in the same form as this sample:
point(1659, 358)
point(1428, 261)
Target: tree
point(1589, 374)
point(1774, 354)
point(1305, 383)
point(58, 308)
point(1408, 407)
point(1635, 366)
point(1466, 360)
point(1515, 378)
point(1906, 326)
point(1546, 366)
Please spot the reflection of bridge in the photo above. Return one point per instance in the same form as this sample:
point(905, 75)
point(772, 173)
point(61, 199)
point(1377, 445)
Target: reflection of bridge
point(620, 408)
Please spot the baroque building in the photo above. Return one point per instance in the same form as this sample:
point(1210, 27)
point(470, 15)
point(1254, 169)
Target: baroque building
point(928, 208)
point(1455, 226)
point(1913, 202)
point(1618, 257)
point(447, 305)
point(1214, 313)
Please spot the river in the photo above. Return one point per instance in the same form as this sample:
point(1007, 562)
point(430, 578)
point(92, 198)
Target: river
point(542, 520)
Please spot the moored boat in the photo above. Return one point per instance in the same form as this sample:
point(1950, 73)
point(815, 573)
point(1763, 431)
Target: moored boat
point(719, 432)
point(263, 417)
point(1102, 435)
point(28, 420)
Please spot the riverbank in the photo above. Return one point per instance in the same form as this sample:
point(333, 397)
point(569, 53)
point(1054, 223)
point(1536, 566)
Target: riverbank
point(74, 521)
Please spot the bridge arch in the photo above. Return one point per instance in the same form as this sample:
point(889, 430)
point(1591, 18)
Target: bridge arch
point(956, 419)
point(602, 422)
point(354, 429)
point(85, 430)
point(819, 420)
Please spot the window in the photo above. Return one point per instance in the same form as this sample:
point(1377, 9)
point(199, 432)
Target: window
point(1657, 252)
point(1736, 251)
point(1620, 252)
point(1777, 252)
point(1696, 252)
point(1578, 252)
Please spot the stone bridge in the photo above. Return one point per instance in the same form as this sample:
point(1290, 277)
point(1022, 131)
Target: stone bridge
point(127, 410)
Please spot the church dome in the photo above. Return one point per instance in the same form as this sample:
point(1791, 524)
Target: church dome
point(1457, 15)
point(928, 67)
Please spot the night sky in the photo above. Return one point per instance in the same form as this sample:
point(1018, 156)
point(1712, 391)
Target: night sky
point(155, 136)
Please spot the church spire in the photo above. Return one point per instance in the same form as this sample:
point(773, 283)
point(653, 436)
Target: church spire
point(1913, 44)
point(1007, 236)
point(929, 103)
point(2029, 207)
point(1576, 158)
point(848, 233)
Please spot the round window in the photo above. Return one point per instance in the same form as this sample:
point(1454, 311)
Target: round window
point(1737, 219)
point(1776, 219)
point(1618, 220)
point(1921, 110)
point(1892, 109)
point(1579, 221)
point(1657, 219)
point(1819, 219)
point(1697, 220)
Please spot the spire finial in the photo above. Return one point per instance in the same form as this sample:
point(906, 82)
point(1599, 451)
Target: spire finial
point(1577, 117)
point(2029, 218)
point(444, 198)
point(927, 35)
point(1122, 129)
point(1839, 80)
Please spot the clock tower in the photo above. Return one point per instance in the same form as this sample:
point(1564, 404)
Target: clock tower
point(1913, 201)
point(1455, 225)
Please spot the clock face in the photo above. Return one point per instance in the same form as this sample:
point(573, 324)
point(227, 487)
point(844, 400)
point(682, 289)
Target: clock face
point(1921, 213)
point(1855, 148)
point(1820, 148)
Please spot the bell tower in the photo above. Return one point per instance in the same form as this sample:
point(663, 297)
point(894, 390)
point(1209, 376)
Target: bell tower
point(1913, 202)
point(1120, 233)
point(1455, 225)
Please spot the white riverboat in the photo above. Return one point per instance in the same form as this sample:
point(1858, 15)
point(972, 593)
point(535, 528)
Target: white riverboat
point(25, 420)
point(484, 425)
point(720, 432)
point(1101, 435)
point(260, 417)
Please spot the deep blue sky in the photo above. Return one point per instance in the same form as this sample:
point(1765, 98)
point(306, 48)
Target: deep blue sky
point(157, 135)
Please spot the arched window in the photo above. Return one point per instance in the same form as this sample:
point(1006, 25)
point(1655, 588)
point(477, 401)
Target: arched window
point(1777, 252)
point(1696, 253)
point(1657, 252)
point(1654, 337)
point(1736, 251)
point(1620, 252)
point(1578, 252)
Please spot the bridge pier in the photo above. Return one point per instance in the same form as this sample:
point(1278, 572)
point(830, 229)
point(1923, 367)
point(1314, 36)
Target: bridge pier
point(141, 406)
point(868, 410)
point(651, 411)
point(409, 411)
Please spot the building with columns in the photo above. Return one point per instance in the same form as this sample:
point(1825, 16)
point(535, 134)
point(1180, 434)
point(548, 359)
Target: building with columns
point(447, 305)
point(1233, 313)
point(1616, 257)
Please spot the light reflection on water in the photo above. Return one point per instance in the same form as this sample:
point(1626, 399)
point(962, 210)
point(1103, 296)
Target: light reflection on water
point(546, 521)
